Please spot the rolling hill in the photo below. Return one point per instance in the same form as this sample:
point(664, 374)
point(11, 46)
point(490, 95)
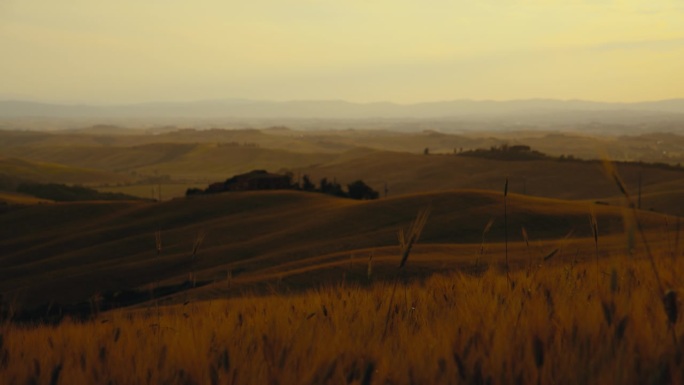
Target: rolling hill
point(411, 173)
point(69, 252)
point(46, 172)
point(13, 198)
point(185, 161)
point(178, 165)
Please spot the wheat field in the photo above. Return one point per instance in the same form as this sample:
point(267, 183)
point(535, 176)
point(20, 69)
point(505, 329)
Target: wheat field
point(566, 322)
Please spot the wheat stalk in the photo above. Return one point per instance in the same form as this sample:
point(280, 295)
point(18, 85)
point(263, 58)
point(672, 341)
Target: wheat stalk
point(594, 229)
point(484, 232)
point(369, 272)
point(508, 272)
point(199, 239)
point(158, 241)
point(669, 297)
point(676, 246)
point(406, 241)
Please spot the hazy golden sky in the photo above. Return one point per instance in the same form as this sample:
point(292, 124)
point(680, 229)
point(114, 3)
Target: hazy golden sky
point(375, 50)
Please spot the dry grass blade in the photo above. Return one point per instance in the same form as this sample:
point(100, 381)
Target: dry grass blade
point(668, 296)
point(612, 173)
point(618, 181)
point(488, 227)
point(621, 185)
point(551, 254)
point(670, 303)
point(594, 229)
point(158, 241)
point(484, 232)
point(594, 226)
point(199, 239)
point(676, 246)
point(369, 271)
point(406, 242)
point(667, 237)
point(508, 272)
point(408, 239)
point(538, 350)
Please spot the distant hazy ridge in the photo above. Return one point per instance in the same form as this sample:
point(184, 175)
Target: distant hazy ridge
point(332, 109)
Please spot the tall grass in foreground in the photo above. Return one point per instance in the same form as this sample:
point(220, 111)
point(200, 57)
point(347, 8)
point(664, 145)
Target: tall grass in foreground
point(508, 268)
point(406, 241)
point(669, 296)
point(565, 332)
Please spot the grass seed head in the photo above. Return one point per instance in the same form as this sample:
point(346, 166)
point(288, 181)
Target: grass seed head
point(369, 271)
point(670, 303)
point(594, 226)
point(614, 285)
point(551, 254)
point(608, 311)
point(526, 238)
point(538, 351)
point(408, 239)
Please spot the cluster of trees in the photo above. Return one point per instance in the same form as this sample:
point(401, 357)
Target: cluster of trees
point(524, 152)
point(237, 144)
point(506, 152)
point(262, 180)
point(355, 190)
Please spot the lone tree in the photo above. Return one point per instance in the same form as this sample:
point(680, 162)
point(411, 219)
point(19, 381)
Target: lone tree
point(360, 190)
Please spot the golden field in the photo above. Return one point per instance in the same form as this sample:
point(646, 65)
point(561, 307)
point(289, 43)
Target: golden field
point(568, 323)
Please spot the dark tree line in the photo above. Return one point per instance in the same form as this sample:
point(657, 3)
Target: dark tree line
point(355, 190)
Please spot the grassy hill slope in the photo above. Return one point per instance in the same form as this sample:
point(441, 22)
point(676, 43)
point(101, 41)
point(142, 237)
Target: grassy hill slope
point(14, 198)
point(45, 172)
point(215, 162)
point(186, 161)
point(191, 156)
point(411, 173)
point(67, 252)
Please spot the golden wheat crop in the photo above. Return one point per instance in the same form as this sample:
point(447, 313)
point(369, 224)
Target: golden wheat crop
point(555, 326)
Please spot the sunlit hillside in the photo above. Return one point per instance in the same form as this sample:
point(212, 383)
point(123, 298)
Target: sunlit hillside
point(23, 170)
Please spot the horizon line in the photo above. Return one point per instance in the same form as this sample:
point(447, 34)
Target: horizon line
point(308, 100)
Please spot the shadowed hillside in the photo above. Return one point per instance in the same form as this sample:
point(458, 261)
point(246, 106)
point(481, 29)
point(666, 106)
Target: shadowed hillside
point(68, 252)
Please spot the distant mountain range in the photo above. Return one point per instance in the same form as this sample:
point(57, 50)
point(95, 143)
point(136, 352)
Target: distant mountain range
point(333, 109)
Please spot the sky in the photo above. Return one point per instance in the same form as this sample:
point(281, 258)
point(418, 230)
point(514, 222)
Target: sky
point(124, 51)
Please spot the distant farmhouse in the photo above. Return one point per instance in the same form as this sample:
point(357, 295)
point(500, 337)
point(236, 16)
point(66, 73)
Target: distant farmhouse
point(253, 180)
